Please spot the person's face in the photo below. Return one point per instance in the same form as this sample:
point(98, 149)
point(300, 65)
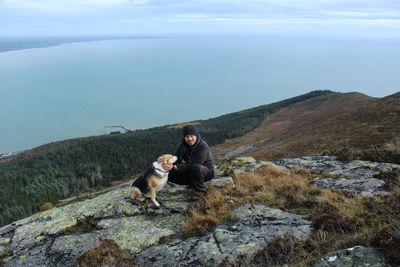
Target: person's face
point(190, 139)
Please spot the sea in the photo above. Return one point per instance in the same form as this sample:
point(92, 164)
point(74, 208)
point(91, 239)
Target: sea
point(78, 89)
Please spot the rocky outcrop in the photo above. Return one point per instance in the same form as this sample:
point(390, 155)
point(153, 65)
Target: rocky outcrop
point(153, 235)
point(58, 236)
point(355, 256)
point(256, 226)
point(356, 177)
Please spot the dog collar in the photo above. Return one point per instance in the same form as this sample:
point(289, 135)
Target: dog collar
point(161, 170)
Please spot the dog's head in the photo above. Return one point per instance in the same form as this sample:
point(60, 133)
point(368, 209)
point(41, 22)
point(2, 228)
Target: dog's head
point(169, 159)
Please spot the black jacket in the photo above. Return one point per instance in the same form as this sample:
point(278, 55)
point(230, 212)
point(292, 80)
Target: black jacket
point(199, 153)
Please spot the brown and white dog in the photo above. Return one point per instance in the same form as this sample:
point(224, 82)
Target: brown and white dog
point(152, 180)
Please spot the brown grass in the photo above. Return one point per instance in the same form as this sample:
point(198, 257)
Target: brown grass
point(339, 221)
point(209, 211)
point(181, 125)
point(350, 125)
point(271, 185)
point(388, 152)
point(388, 240)
point(391, 178)
point(279, 252)
point(293, 130)
point(46, 206)
point(106, 254)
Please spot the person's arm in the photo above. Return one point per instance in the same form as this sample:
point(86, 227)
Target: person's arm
point(199, 156)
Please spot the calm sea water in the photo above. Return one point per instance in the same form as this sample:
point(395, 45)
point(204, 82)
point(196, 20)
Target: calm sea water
point(75, 89)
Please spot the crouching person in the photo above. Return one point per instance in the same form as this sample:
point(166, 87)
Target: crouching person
point(195, 163)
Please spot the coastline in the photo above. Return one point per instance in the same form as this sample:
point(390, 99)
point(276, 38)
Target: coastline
point(9, 44)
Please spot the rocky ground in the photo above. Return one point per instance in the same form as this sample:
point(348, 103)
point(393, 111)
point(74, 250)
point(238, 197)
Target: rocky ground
point(153, 235)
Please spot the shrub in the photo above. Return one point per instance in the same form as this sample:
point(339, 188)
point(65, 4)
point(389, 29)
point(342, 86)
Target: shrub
point(388, 240)
point(328, 218)
point(388, 152)
point(279, 252)
point(391, 178)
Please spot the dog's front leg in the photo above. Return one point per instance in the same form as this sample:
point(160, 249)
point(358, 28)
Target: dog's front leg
point(153, 193)
point(153, 197)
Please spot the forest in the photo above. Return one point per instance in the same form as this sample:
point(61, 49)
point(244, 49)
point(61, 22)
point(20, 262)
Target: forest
point(62, 169)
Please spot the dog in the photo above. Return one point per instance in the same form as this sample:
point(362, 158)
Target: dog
point(152, 180)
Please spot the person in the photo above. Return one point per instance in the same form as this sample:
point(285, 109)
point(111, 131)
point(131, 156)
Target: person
point(195, 164)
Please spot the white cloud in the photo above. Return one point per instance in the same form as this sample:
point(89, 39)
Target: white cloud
point(364, 13)
point(67, 5)
point(394, 23)
point(155, 14)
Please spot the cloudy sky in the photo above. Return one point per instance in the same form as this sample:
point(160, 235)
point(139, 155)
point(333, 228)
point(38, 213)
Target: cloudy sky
point(366, 18)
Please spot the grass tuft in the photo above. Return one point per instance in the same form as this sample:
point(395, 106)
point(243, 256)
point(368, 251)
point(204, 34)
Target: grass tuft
point(106, 253)
point(279, 252)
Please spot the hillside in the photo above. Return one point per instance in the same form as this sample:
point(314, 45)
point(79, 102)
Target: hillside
point(59, 170)
point(327, 124)
point(306, 211)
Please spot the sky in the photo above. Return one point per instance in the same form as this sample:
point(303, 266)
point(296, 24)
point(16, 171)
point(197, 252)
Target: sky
point(356, 18)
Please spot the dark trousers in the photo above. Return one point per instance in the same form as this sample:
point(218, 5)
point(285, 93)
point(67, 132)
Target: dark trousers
point(195, 175)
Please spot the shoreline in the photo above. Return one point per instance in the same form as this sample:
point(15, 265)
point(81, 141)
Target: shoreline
point(23, 43)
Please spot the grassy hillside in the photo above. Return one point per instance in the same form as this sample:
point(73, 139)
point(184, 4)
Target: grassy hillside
point(58, 170)
point(349, 125)
point(370, 132)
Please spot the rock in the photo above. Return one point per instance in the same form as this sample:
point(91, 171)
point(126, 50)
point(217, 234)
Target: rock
point(257, 225)
point(245, 160)
point(242, 165)
point(355, 256)
point(58, 236)
point(364, 187)
point(219, 171)
point(222, 181)
point(356, 177)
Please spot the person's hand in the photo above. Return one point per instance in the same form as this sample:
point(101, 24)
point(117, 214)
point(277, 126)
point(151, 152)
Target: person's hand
point(167, 167)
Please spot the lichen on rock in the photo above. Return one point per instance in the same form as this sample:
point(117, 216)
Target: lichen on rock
point(256, 226)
